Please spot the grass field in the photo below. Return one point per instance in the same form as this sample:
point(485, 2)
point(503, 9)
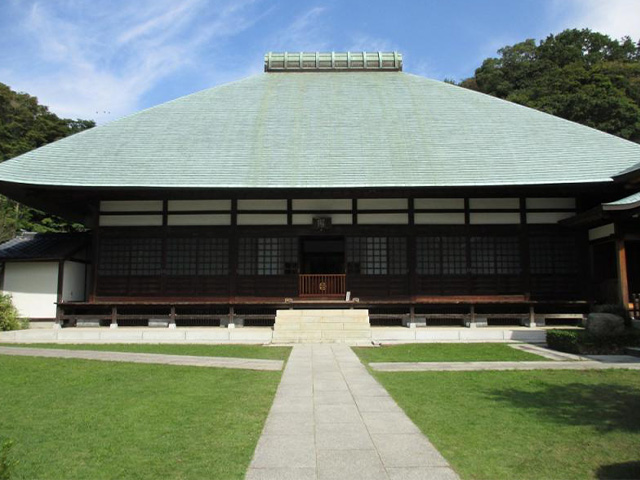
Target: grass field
point(527, 425)
point(77, 419)
point(244, 351)
point(445, 352)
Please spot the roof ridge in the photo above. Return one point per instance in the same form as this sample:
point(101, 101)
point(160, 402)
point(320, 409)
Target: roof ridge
point(332, 61)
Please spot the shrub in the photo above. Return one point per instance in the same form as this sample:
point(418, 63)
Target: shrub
point(565, 340)
point(9, 319)
point(579, 341)
point(612, 345)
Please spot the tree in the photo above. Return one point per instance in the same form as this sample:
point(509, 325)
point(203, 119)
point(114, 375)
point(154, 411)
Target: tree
point(25, 125)
point(579, 75)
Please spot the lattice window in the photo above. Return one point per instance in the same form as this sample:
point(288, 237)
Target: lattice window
point(146, 256)
point(377, 255)
point(428, 256)
point(114, 257)
point(213, 256)
point(130, 256)
point(247, 264)
point(182, 256)
point(197, 256)
point(495, 255)
point(268, 256)
point(507, 256)
point(397, 253)
point(553, 255)
point(441, 255)
point(454, 255)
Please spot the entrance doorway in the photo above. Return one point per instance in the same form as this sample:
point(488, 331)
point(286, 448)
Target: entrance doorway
point(322, 261)
point(322, 255)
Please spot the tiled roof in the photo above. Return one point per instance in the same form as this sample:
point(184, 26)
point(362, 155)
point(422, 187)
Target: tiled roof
point(41, 246)
point(633, 169)
point(329, 129)
point(632, 201)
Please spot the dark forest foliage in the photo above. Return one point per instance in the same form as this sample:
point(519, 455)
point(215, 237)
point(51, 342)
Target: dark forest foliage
point(579, 75)
point(25, 125)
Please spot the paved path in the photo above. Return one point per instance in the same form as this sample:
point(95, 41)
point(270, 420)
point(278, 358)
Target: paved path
point(474, 366)
point(332, 420)
point(545, 352)
point(184, 360)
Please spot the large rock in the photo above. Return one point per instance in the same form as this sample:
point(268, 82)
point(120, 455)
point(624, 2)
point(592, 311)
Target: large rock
point(604, 324)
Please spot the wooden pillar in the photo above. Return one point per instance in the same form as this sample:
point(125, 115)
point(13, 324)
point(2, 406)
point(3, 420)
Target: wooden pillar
point(114, 317)
point(472, 317)
point(623, 281)
point(234, 250)
point(525, 255)
point(164, 247)
point(412, 254)
point(172, 317)
point(59, 312)
point(95, 253)
point(532, 317)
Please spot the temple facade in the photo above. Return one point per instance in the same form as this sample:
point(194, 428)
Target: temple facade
point(335, 180)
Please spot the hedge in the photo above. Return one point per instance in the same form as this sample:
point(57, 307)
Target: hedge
point(581, 342)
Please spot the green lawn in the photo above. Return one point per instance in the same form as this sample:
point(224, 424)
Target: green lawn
point(527, 425)
point(244, 351)
point(444, 352)
point(78, 419)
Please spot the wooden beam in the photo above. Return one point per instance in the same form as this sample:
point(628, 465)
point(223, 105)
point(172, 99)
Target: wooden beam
point(623, 281)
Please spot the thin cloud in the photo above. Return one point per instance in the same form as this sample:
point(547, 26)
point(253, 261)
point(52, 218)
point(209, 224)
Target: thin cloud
point(100, 63)
point(367, 43)
point(616, 18)
point(307, 32)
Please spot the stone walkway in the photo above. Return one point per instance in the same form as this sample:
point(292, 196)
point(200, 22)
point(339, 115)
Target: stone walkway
point(183, 360)
point(332, 420)
point(602, 364)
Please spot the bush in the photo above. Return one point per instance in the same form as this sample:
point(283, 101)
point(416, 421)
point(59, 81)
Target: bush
point(9, 319)
point(580, 342)
point(613, 345)
point(565, 340)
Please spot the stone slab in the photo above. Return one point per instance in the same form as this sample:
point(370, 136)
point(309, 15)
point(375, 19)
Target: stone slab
point(359, 431)
point(286, 473)
point(481, 366)
point(152, 358)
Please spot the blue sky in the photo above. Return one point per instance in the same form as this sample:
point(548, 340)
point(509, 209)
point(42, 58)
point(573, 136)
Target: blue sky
point(103, 59)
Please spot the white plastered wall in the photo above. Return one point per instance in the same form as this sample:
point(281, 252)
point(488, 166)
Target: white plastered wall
point(73, 282)
point(33, 287)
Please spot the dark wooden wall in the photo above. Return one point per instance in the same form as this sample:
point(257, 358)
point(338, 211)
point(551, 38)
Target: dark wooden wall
point(538, 262)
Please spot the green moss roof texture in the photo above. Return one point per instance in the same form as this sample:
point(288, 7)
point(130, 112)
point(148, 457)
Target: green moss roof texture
point(329, 129)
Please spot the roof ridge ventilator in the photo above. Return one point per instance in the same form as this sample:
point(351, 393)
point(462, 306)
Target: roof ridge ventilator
point(332, 61)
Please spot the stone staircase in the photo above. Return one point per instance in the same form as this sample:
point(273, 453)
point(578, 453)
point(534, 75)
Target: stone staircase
point(322, 326)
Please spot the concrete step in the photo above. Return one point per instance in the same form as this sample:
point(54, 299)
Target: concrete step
point(321, 326)
point(339, 326)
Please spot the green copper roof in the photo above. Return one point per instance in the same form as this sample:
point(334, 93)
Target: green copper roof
point(329, 129)
point(632, 201)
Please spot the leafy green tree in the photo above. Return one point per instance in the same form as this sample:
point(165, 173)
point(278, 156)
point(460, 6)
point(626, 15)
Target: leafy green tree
point(25, 125)
point(579, 75)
